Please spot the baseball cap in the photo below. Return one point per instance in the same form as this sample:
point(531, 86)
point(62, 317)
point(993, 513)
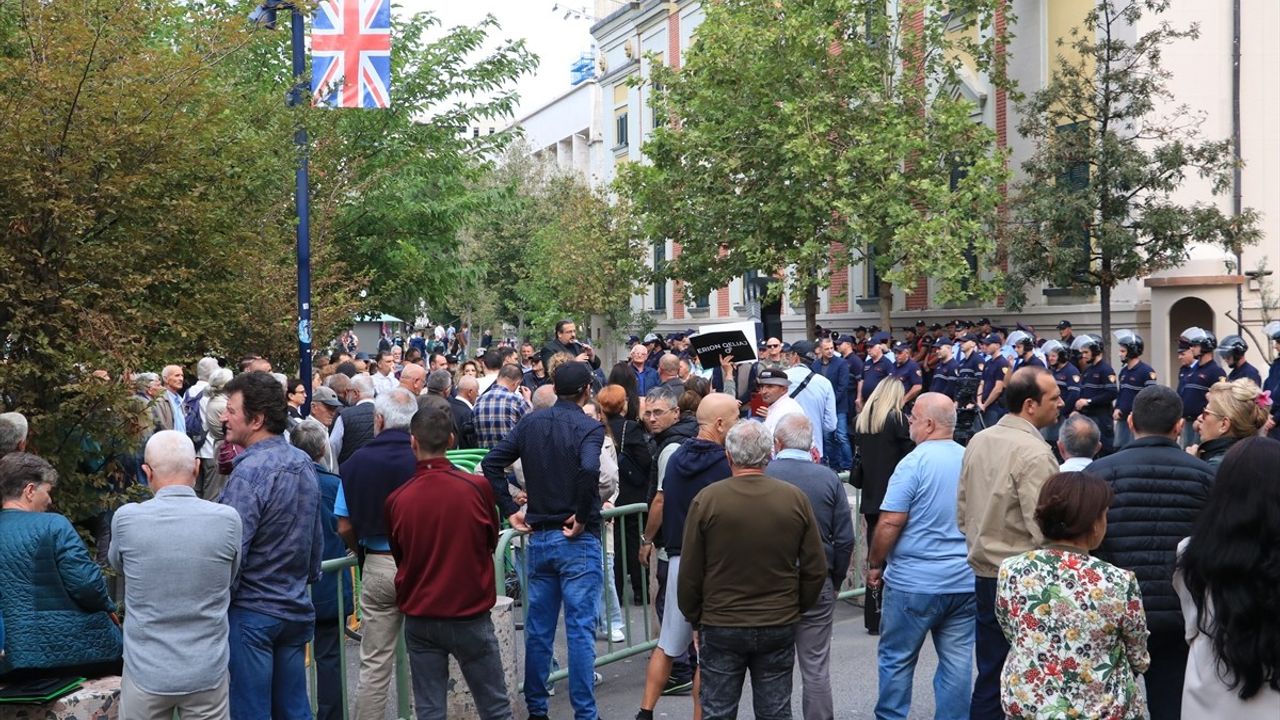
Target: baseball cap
point(1064, 324)
point(571, 377)
point(804, 349)
point(940, 342)
point(880, 337)
point(786, 347)
point(845, 339)
point(439, 381)
point(984, 321)
point(326, 396)
point(900, 346)
point(651, 337)
point(992, 338)
point(969, 337)
point(772, 376)
point(935, 327)
point(632, 340)
point(451, 359)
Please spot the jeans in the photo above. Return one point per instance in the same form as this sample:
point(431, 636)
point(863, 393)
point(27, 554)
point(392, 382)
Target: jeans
point(328, 636)
point(991, 649)
point(727, 653)
point(569, 571)
point(813, 655)
point(268, 670)
point(610, 615)
point(626, 548)
point(1123, 435)
point(992, 414)
point(839, 455)
point(907, 618)
point(474, 644)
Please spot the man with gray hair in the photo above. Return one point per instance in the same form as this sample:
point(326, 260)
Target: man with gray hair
point(369, 475)
point(13, 433)
point(928, 585)
point(354, 426)
point(197, 398)
point(178, 555)
point(1078, 441)
point(752, 563)
point(794, 462)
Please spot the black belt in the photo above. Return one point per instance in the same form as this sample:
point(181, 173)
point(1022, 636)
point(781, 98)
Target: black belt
point(548, 525)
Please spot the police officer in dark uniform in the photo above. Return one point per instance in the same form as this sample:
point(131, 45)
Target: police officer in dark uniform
point(994, 375)
point(1097, 390)
point(908, 372)
point(845, 345)
point(1065, 335)
point(1134, 375)
point(1232, 350)
point(970, 364)
point(1024, 346)
point(1272, 428)
point(944, 373)
point(1067, 375)
point(877, 367)
point(1198, 378)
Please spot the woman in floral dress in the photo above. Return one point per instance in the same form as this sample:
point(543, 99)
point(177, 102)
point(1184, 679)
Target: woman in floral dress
point(1075, 625)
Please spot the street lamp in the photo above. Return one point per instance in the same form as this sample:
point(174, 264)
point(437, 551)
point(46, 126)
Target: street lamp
point(265, 16)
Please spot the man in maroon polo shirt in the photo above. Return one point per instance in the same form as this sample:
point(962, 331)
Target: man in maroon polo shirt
point(443, 531)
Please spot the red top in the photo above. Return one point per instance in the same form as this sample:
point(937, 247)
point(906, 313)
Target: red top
point(443, 530)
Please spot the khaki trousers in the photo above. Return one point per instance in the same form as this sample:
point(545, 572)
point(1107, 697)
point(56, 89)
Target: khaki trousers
point(138, 704)
point(380, 625)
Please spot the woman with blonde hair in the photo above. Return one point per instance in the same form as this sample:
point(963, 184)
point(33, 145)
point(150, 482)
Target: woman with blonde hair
point(1233, 411)
point(880, 440)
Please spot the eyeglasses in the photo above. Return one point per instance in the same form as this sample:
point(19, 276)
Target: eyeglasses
point(656, 413)
point(773, 345)
point(1209, 412)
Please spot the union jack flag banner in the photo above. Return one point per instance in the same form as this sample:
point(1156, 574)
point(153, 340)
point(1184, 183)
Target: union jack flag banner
point(351, 53)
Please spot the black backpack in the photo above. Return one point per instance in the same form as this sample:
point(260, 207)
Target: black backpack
point(194, 419)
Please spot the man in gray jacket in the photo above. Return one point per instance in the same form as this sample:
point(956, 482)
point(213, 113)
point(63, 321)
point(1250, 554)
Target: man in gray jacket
point(793, 461)
point(178, 555)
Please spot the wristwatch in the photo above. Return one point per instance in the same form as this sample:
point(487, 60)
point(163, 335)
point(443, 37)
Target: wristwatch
point(644, 540)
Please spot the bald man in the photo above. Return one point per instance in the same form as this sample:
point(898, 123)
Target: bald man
point(178, 554)
point(696, 464)
point(669, 372)
point(413, 378)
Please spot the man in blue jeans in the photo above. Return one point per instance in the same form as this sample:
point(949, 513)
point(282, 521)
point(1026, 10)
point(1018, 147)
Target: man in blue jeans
point(275, 490)
point(559, 449)
point(918, 535)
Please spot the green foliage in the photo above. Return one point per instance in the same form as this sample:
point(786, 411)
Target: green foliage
point(551, 248)
point(1095, 207)
point(147, 211)
point(797, 126)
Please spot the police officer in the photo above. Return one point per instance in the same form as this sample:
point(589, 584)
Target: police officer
point(877, 367)
point(994, 374)
point(1272, 428)
point(970, 363)
point(1232, 350)
point(1065, 335)
point(1134, 375)
point(907, 371)
point(1097, 390)
point(845, 345)
point(1067, 375)
point(1024, 348)
point(1202, 373)
point(944, 373)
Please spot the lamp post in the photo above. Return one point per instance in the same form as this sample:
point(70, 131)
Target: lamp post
point(265, 15)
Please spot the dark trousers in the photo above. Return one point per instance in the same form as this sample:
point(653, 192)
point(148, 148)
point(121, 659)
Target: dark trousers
point(1106, 430)
point(681, 667)
point(728, 653)
point(324, 645)
point(1165, 675)
point(990, 647)
point(871, 604)
point(475, 646)
point(626, 534)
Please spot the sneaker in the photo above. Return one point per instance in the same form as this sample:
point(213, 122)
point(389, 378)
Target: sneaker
point(676, 686)
point(597, 677)
point(618, 635)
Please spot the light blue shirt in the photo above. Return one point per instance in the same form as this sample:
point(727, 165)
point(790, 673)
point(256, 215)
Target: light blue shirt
point(179, 420)
point(818, 400)
point(930, 556)
point(378, 543)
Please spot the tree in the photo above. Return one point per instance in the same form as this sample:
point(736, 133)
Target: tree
point(146, 202)
point(551, 248)
point(799, 133)
point(1095, 206)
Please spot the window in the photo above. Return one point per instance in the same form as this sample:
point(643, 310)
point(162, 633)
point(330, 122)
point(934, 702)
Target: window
point(621, 116)
point(872, 275)
point(659, 119)
point(659, 267)
point(959, 171)
point(1074, 138)
point(620, 129)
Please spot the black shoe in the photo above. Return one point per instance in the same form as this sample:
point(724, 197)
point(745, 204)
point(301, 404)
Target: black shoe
point(677, 686)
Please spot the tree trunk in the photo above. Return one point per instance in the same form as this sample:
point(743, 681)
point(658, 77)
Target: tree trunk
point(1104, 300)
point(810, 310)
point(886, 306)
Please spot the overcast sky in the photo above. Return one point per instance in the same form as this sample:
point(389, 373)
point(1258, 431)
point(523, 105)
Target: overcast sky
point(555, 40)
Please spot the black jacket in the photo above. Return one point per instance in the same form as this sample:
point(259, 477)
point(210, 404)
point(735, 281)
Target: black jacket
point(554, 346)
point(683, 429)
point(879, 455)
point(464, 426)
point(1159, 492)
point(634, 460)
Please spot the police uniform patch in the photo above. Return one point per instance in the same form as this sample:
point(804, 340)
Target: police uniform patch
point(1111, 378)
point(981, 366)
point(1153, 375)
point(1075, 378)
point(1004, 370)
point(918, 373)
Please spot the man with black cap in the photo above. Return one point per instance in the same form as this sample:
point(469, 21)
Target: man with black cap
point(994, 374)
point(653, 343)
point(1066, 337)
point(944, 373)
point(775, 390)
point(559, 449)
point(907, 372)
point(877, 368)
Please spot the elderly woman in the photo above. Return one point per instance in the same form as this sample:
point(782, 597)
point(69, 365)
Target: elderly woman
point(222, 452)
point(1076, 629)
point(53, 599)
point(1233, 411)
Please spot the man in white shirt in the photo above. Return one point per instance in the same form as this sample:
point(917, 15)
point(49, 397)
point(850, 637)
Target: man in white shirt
point(813, 391)
point(775, 387)
point(1078, 441)
point(384, 374)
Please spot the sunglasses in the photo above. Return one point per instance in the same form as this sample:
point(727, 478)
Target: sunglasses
point(773, 345)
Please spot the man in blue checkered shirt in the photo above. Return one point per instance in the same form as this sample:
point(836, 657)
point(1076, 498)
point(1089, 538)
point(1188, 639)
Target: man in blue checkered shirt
point(501, 406)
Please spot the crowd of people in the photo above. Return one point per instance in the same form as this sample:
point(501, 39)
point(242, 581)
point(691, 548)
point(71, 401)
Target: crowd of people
point(1063, 528)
